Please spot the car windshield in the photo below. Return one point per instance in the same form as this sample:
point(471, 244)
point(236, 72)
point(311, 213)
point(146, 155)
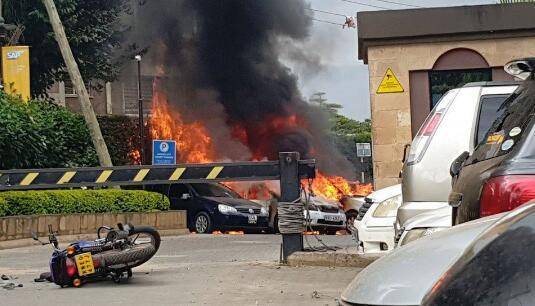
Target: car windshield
point(214, 190)
point(506, 131)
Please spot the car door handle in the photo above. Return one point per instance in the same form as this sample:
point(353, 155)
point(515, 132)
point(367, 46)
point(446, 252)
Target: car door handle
point(455, 199)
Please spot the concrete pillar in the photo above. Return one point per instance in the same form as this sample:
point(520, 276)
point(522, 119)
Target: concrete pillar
point(109, 109)
point(61, 94)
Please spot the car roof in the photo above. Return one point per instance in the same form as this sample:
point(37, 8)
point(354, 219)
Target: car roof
point(492, 83)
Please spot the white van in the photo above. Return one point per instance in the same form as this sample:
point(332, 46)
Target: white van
point(457, 124)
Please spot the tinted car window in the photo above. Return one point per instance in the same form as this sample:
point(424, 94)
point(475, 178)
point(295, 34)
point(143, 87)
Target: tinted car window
point(489, 111)
point(517, 111)
point(213, 190)
point(177, 190)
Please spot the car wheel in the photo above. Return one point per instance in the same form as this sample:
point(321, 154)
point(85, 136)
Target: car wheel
point(351, 216)
point(203, 223)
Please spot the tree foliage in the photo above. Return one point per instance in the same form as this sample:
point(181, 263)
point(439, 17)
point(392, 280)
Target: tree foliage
point(92, 27)
point(39, 134)
point(358, 131)
point(344, 129)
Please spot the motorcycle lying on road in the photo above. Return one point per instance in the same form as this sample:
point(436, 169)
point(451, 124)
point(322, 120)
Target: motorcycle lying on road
point(109, 257)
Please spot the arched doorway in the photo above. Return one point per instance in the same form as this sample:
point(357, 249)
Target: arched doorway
point(454, 69)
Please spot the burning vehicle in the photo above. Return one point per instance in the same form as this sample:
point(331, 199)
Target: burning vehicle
point(224, 94)
point(325, 212)
point(214, 207)
point(321, 214)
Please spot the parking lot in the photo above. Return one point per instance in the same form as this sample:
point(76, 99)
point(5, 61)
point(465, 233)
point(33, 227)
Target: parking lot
point(191, 269)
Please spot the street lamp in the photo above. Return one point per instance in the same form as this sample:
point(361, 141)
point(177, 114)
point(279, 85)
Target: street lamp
point(140, 110)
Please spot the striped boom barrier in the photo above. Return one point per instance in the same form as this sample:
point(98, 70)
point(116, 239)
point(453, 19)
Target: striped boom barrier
point(28, 179)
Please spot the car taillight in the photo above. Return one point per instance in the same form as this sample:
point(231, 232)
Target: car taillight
point(431, 125)
point(71, 267)
point(423, 138)
point(504, 193)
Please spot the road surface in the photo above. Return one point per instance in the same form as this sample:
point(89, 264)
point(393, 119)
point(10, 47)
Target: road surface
point(189, 270)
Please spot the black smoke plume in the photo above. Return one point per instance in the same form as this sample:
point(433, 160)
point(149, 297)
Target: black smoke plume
point(219, 64)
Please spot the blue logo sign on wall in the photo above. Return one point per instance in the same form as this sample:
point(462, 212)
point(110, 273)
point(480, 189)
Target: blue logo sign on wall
point(163, 152)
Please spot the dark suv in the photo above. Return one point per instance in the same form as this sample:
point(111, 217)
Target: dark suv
point(214, 207)
point(500, 174)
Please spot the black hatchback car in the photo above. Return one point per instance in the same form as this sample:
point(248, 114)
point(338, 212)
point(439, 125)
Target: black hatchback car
point(500, 174)
point(214, 207)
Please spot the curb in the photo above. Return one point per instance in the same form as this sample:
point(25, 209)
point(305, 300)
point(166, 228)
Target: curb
point(20, 243)
point(330, 259)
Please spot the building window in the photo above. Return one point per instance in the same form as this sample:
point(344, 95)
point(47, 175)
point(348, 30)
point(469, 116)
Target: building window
point(70, 91)
point(440, 81)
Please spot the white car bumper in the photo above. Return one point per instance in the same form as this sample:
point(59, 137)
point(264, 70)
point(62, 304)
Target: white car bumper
point(376, 239)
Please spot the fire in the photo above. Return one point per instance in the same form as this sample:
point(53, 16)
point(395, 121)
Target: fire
point(254, 191)
point(336, 187)
point(194, 145)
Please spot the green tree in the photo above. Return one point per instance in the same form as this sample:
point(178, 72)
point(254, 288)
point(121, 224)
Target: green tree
point(345, 130)
point(358, 131)
point(318, 100)
point(94, 31)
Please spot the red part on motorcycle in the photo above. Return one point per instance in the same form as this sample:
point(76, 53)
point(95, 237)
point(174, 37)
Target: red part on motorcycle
point(71, 267)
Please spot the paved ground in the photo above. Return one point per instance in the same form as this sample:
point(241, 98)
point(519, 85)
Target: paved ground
point(192, 269)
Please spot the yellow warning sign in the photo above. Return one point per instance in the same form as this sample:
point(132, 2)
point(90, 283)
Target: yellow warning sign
point(390, 83)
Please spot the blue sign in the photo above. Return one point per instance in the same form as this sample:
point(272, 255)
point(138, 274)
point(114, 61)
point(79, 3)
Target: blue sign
point(163, 152)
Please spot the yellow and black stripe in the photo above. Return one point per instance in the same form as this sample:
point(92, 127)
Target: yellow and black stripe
point(143, 175)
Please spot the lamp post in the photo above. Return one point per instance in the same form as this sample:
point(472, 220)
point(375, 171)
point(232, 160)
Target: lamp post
point(140, 110)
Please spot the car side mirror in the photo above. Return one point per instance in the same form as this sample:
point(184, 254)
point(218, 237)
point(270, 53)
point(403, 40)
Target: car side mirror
point(457, 164)
point(185, 196)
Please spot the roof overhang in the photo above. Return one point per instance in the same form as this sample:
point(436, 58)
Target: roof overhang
point(393, 27)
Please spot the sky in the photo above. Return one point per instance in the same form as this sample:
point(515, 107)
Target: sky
point(337, 71)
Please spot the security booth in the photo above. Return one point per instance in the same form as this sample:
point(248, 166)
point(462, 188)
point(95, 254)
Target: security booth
point(414, 56)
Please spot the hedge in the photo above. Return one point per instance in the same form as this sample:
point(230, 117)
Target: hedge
point(3, 207)
point(14, 203)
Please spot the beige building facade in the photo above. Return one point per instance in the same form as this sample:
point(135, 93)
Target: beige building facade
point(475, 45)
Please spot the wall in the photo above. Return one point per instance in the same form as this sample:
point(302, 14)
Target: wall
point(391, 113)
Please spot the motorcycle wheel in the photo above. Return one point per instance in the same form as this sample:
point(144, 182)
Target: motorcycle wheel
point(141, 251)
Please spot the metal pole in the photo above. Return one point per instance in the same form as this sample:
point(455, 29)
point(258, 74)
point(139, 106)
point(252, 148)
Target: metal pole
point(140, 112)
point(290, 191)
point(362, 170)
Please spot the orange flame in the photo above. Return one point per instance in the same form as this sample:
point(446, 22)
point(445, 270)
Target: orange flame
point(194, 145)
point(336, 187)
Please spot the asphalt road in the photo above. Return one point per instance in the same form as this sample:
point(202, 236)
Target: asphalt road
point(192, 269)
